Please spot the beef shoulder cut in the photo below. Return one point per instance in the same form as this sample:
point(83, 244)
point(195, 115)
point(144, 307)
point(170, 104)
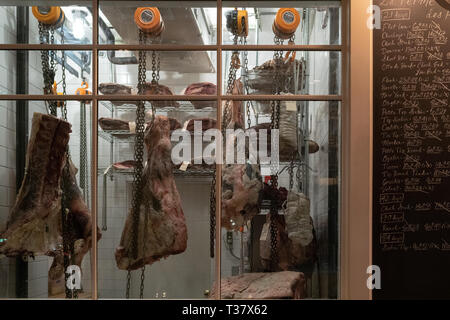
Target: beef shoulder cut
point(34, 223)
point(163, 232)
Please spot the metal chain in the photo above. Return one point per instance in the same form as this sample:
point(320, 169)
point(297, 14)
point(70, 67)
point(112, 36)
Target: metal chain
point(245, 77)
point(275, 125)
point(48, 70)
point(137, 199)
point(212, 216)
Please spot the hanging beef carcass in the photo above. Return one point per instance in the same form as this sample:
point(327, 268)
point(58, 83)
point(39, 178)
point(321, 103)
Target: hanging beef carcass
point(34, 224)
point(164, 231)
point(202, 88)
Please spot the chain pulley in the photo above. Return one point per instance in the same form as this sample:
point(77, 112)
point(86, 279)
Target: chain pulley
point(146, 20)
point(51, 18)
point(237, 24)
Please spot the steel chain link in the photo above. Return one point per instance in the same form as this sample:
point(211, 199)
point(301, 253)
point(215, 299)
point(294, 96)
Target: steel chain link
point(275, 125)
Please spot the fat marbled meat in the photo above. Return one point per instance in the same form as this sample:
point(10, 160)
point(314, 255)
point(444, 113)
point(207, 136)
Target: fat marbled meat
point(165, 233)
point(34, 223)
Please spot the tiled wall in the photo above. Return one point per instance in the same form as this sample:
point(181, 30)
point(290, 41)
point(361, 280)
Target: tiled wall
point(7, 143)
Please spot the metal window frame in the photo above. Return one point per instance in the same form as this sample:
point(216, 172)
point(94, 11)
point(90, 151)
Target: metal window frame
point(95, 47)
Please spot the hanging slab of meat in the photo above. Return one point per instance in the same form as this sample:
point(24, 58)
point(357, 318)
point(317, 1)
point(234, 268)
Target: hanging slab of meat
point(241, 194)
point(165, 232)
point(202, 88)
point(291, 254)
point(159, 89)
point(116, 89)
point(34, 224)
point(277, 285)
point(207, 123)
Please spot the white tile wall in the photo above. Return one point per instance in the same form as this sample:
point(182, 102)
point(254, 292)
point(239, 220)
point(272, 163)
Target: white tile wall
point(7, 142)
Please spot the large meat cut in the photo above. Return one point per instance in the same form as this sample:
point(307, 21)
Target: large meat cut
point(164, 231)
point(241, 194)
point(34, 224)
point(202, 88)
point(276, 285)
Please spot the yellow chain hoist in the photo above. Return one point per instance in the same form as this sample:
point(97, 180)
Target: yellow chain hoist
point(237, 22)
point(284, 27)
point(149, 20)
point(53, 16)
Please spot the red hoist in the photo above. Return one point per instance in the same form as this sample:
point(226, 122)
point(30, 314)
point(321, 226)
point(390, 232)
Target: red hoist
point(151, 26)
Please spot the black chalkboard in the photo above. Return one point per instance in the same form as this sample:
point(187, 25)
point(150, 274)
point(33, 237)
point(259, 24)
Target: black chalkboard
point(411, 177)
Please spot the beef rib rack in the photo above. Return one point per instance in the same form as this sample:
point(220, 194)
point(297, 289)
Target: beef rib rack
point(165, 232)
point(34, 224)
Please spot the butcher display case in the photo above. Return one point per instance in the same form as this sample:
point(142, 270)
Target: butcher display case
point(118, 120)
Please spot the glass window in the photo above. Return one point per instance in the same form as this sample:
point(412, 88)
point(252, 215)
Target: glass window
point(145, 167)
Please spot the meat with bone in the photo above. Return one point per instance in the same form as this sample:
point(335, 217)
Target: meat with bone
point(241, 194)
point(165, 232)
point(159, 89)
point(116, 89)
point(34, 224)
point(202, 88)
point(277, 285)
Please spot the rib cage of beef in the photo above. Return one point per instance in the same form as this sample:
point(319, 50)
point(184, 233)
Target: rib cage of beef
point(165, 233)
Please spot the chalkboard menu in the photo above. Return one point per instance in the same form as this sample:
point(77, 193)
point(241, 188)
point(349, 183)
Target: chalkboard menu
point(411, 210)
